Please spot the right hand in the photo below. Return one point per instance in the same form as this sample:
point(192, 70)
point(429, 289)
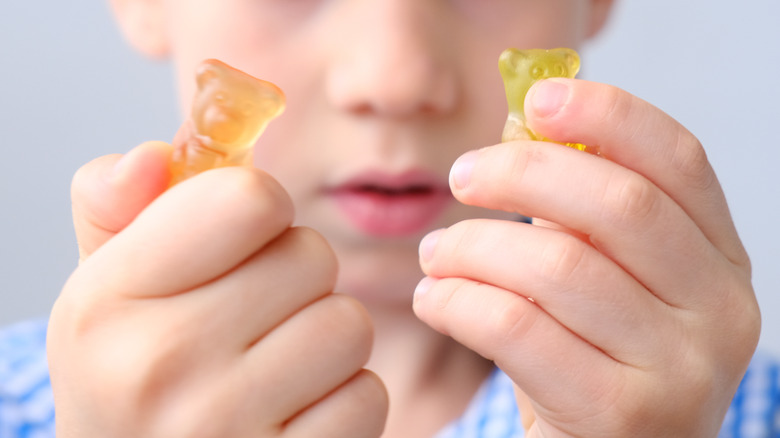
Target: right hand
point(200, 312)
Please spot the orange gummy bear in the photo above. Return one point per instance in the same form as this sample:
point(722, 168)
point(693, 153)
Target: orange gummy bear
point(230, 111)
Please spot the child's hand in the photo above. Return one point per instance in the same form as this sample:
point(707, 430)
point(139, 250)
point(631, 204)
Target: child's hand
point(200, 312)
point(628, 309)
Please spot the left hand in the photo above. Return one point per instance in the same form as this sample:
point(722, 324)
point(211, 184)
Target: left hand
point(627, 308)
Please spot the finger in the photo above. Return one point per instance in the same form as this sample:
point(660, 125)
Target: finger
point(291, 272)
point(622, 214)
point(193, 233)
point(639, 136)
point(358, 409)
point(307, 357)
point(538, 354)
point(109, 192)
point(568, 279)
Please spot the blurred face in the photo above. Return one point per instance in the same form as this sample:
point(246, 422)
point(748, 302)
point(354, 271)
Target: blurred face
point(382, 97)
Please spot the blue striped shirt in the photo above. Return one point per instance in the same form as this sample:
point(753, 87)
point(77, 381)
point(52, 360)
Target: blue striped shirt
point(27, 406)
point(26, 402)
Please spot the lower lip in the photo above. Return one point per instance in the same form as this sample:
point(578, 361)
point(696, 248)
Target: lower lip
point(391, 215)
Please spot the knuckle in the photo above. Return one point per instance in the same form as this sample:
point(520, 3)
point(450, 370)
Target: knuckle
point(253, 192)
point(457, 241)
point(631, 199)
point(447, 297)
point(517, 170)
point(310, 245)
point(561, 259)
point(689, 160)
point(312, 242)
point(348, 321)
point(371, 399)
point(140, 365)
point(514, 322)
point(311, 250)
point(742, 317)
point(373, 390)
point(516, 165)
point(751, 325)
point(454, 247)
point(619, 109)
point(500, 171)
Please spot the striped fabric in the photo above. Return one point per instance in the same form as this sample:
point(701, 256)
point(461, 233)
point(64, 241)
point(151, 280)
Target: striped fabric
point(755, 410)
point(27, 407)
point(492, 412)
point(26, 403)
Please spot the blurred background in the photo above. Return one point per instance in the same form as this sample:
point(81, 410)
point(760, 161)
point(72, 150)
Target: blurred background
point(71, 90)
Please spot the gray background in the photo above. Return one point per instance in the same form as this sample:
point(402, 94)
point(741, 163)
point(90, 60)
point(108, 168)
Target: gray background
point(71, 90)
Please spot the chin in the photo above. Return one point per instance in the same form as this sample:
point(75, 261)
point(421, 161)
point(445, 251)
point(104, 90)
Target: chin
point(384, 278)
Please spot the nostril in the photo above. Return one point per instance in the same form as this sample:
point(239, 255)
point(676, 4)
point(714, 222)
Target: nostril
point(361, 108)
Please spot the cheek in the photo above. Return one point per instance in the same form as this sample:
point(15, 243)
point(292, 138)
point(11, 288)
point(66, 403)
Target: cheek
point(282, 152)
point(239, 33)
point(485, 107)
point(275, 152)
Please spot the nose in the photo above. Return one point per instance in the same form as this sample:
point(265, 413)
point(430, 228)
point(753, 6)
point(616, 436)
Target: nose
point(392, 60)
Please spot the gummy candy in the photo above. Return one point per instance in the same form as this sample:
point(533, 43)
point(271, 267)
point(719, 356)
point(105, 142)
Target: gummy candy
point(229, 112)
point(520, 69)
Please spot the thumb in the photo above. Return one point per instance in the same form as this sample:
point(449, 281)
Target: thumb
point(109, 192)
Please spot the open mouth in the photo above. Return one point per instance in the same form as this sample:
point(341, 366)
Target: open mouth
point(392, 206)
point(391, 192)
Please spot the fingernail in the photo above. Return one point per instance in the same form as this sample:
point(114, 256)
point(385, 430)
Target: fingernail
point(548, 96)
point(428, 244)
point(120, 165)
point(460, 174)
point(114, 173)
point(424, 286)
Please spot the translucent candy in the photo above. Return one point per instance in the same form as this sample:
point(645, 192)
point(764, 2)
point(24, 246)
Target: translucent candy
point(520, 69)
point(230, 111)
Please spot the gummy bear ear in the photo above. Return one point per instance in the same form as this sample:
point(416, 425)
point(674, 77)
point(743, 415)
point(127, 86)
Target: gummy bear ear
point(143, 25)
point(207, 71)
point(510, 60)
point(571, 58)
point(274, 98)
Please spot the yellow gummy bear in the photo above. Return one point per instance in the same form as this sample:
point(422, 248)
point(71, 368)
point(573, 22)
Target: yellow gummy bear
point(520, 69)
point(230, 111)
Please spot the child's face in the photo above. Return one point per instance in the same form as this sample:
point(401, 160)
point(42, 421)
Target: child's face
point(382, 97)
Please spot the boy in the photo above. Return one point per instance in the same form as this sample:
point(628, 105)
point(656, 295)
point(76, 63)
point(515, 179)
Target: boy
point(626, 310)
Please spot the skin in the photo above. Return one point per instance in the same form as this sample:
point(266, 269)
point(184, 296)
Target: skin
point(641, 317)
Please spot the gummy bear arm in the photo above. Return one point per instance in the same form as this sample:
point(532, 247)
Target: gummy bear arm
point(183, 136)
point(238, 158)
point(515, 129)
point(515, 97)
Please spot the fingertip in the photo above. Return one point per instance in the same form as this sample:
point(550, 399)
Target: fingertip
point(546, 98)
point(460, 173)
point(108, 192)
point(425, 285)
point(135, 180)
point(150, 161)
point(428, 245)
point(247, 189)
point(421, 302)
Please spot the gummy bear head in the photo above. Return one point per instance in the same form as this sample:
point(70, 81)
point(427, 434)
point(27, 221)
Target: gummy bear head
point(520, 69)
point(231, 107)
